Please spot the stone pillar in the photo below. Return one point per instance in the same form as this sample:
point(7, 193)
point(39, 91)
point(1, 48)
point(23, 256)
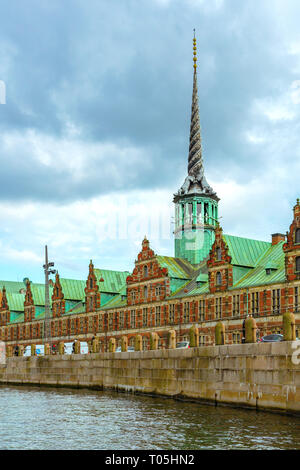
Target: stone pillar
point(21, 350)
point(77, 347)
point(250, 330)
point(153, 340)
point(61, 348)
point(138, 343)
point(194, 337)
point(9, 351)
point(95, 345)
point(124, 344)
point(220, 334)
point(172, 339)
point(33, 349)
point(112, 345)
point(289, 326)
point(47, 349)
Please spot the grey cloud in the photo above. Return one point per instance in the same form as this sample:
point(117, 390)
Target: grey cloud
point(122, 73)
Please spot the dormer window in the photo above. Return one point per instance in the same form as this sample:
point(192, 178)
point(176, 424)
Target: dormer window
point(219, 254)
point(219, 278)
point(297, 236)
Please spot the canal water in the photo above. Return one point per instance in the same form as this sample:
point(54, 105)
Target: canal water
point(46, 418)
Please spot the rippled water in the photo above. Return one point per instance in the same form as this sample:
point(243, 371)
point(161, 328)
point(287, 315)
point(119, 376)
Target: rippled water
point(45, 418)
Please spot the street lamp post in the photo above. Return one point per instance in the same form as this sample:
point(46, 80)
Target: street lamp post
point(46, 266)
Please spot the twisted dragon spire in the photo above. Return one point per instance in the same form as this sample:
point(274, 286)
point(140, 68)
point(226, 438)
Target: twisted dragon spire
point(196, 182)
point(195, 161)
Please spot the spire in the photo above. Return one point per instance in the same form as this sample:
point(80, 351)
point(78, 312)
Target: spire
point(196, 182)
point(195, 164)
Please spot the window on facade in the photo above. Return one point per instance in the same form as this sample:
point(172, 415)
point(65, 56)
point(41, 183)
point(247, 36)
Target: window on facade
point(219, 254)
point(110, 321)
point(145, 343)
point(121, 319)
point(297, 235)
point(236, 338)
point(218, 308)
point(202, 340)
point(255, 303)
point(145, 292)
point(157, 316)
point(201, 310)
point(276, 301)
point(296, 300)
point(219, 278)
point(133, 295)
point(132, 318)
point(186, 312)
point(298, 264)
point(157, 291)
point(91, 283)
point(172, 313)
point(145, 271)
point(235, 305)
point(91, 303)
point(145, 316)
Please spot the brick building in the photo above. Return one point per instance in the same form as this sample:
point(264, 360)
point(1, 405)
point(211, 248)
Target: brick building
point(212, 277)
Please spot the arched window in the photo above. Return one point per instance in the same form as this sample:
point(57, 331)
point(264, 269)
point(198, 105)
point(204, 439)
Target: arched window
point(145, 271)
point(297, 236)
point(145, 292)
point(298, 264)
point(219, 278)
point(91, 283)
point(219, 254)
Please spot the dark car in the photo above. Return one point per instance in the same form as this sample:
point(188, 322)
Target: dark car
point(271, 338)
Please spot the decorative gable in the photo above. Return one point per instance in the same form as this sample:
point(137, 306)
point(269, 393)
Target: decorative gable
point(58, 301)
point(92, 294)
point(219, 264)
point(148, 281)
point(29, 308)
point(4, 309)
point(292, 247)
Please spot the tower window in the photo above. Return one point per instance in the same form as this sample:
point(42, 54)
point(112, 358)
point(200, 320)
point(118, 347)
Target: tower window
point(219, 254)
point(298, 264)
point(91, 283)
point(297, 236)
point(219, 278)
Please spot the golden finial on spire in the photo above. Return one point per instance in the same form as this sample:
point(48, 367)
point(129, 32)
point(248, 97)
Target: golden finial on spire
point(195, 52)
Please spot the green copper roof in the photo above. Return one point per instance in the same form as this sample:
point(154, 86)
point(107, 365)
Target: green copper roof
point(113, 280)
point(15, 302)
point(274, 256)
point(245, 251)
point(178, 268)
point(116, 302)
point(73, 289)
point(12, 287)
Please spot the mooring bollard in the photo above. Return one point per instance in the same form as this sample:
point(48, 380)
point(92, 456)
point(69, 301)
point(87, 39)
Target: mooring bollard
point(220, 334)
point(289, 326)
point(124, 344)
point(138, 343)
point(250, 330)
point(112, 345)
point(171, 339)
point(61, 348)
point(194, 337)
point(153, 340)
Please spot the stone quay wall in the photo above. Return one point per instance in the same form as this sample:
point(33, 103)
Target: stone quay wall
point(262, 376)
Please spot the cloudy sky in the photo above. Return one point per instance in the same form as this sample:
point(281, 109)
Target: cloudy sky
point(94, 132)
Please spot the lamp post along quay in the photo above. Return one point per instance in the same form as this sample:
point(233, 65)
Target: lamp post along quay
point(47, 270)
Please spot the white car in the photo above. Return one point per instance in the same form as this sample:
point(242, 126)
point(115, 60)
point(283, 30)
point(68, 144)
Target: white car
point(183, 345)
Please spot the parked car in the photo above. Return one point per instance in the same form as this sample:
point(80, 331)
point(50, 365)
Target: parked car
point(130, 349)
point(183, 345)
point(271, 338)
